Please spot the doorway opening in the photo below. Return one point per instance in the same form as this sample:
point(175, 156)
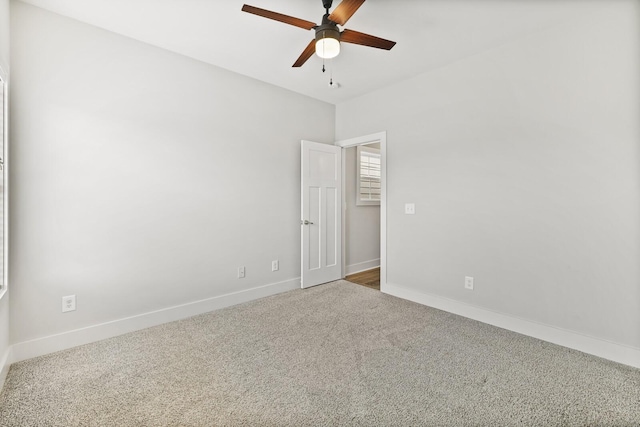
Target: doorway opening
point(368, 278)
point(364, 210)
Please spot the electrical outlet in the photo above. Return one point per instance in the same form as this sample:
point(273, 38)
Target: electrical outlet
point(410, 208)
point(68, 303)
point(241, 272)
point(275, 266)
point(468, 283)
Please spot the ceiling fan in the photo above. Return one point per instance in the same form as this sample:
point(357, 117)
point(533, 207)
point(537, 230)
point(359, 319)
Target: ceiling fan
point(326, 43)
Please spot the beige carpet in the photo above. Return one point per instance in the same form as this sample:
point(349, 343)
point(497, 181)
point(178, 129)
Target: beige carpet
point(336, 354)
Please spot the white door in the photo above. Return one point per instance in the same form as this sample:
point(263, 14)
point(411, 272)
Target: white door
point(321, 220)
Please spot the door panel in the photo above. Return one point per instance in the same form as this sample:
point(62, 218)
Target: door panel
point(330, 228)
point(314, 232)
point(321, 220)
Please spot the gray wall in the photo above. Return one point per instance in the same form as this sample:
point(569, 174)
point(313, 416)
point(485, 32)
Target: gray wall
point(524, 166)
point(142, 179)
point(362, 223)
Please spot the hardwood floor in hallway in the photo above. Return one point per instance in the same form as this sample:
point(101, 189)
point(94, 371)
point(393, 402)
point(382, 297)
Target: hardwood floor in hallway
point(368, 278)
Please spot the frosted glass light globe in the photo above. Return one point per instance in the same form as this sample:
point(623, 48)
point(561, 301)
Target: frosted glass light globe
point(327, 48)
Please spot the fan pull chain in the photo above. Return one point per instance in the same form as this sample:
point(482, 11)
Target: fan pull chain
point(331, 75)
point(323, 55)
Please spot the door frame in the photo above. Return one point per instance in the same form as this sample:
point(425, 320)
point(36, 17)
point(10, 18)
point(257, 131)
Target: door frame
point(380, 137)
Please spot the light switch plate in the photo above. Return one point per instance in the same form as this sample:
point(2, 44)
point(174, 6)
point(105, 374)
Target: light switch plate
point(410, 208)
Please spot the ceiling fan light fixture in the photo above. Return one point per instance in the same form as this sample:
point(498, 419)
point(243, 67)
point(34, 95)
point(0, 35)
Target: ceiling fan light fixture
point(328, 43)
point(327, 48)
point(328, 37)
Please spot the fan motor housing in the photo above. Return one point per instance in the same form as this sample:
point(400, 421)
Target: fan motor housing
point(327, 31)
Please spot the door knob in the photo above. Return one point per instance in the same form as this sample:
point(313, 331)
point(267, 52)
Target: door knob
point(305, 222)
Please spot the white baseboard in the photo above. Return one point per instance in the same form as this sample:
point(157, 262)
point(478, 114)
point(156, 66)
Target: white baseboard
point(5, 364)
point(52, 343)
point(566, 338)
point(362, 266)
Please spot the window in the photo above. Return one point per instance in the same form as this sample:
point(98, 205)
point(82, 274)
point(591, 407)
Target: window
point(3, 182)
point(368, 182)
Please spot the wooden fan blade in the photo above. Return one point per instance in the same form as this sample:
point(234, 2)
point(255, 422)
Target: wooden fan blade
point(355, 37)
point(307, 25)
point(344, 11)
point(306, 54)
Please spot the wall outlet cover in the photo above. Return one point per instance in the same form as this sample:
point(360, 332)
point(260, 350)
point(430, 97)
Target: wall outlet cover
point(68, 303)
point(468, 283)
point(410, 208)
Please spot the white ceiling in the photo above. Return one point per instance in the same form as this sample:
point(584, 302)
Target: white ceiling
point(429, 34)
